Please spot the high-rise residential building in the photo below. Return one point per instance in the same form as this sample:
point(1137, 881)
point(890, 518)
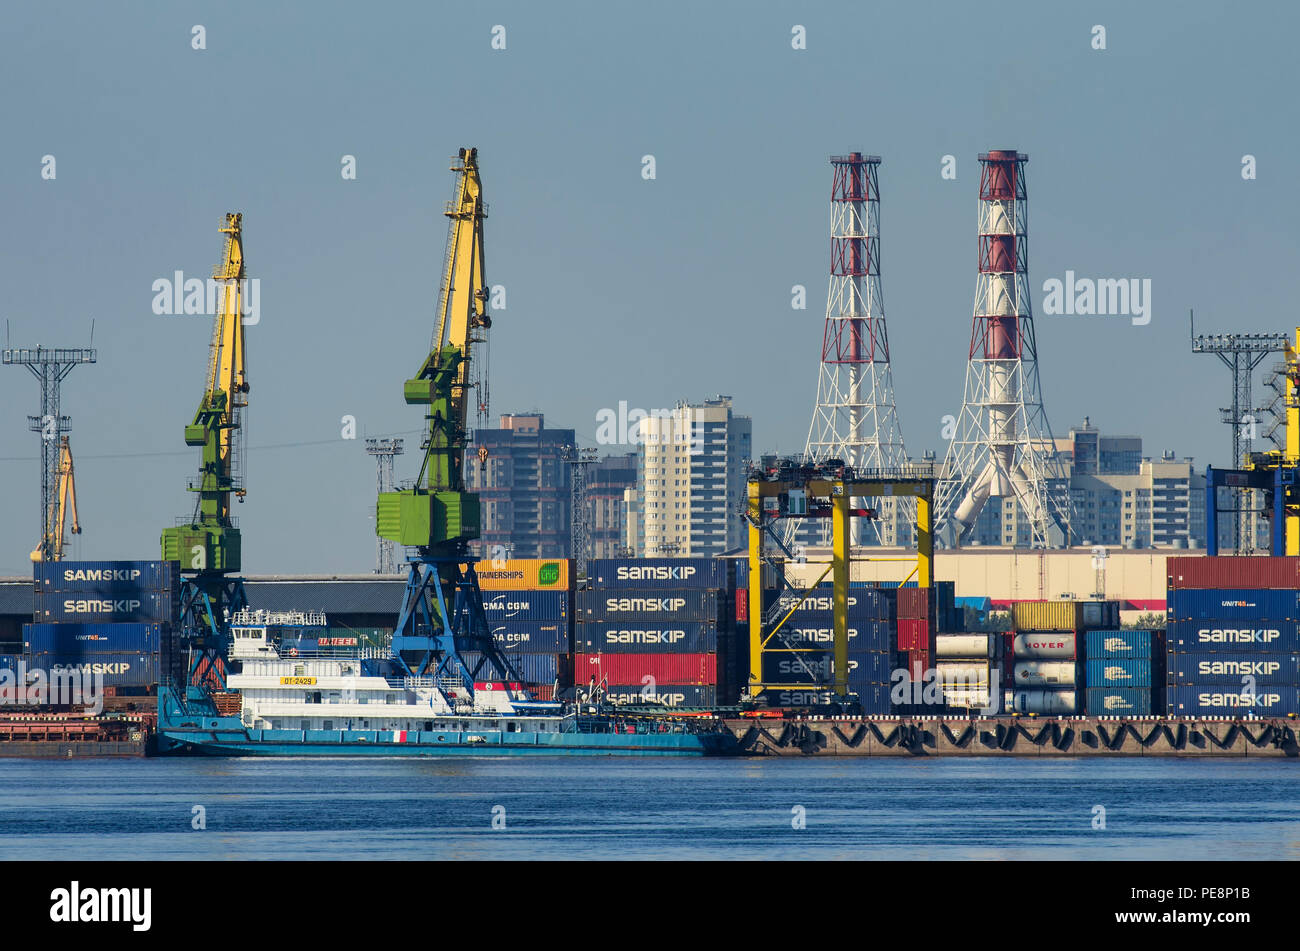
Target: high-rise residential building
point(523, 480)
point(607, 481)
point(692, 466)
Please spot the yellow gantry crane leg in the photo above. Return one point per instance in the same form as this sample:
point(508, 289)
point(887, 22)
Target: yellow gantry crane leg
point(840, 554)
point(1292, 456)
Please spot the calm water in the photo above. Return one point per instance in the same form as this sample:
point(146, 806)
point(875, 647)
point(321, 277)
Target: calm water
point(571, 808)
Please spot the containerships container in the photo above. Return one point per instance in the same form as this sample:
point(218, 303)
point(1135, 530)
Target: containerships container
point(1244, 637)
point(1233, 604)
point(1233, 571)
point(1232, 701)
point(525, 574)
point(640, 605)
point(1118, 701)
point(633, 668)
point(525, 605)
point(92, 638)
point(1119, 672)
point(1230, 668)
point(646, 637)
point(673, 574)
point(536, 637)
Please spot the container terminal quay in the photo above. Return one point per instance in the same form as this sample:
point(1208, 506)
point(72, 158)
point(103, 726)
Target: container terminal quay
point(836, 602)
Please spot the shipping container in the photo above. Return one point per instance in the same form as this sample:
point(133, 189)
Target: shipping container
point(668, 695)
point(1120, 672)
point(1118, 701)
point(914, 603)
point(963, 673)
point(874, 698)
point(9, 661)
point(525, 574)
point(818, 667)
point(1038, 616)
point(877, 604)
point(105, 577)
point(525, 605)
point(914, 635)
point(1045, 673)
point(1228, 701)
point(689, 637)
point(862, 635)
point(103, 607)
point(536, 637)
point(116, 670)
point(1047, 646)
point(965, 645)
point(672, 574)
point(1120, 644)
point(640, 605)
point(633, 668)
point(1042, 701)
point(916, 663)
point(532, 668)
point(1233, 604)
point(742, 605)
point(1212, 634)
point(92, 638)
point(1099, 614)
point(1233, 571)
point(1231, 668)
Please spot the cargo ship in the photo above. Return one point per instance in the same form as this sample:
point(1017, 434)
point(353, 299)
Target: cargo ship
point(298, 701)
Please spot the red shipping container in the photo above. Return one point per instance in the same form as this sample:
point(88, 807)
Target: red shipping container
point(742, 605)
point(542, 691)
point(914, 634)
point(914, 603)
point(1233, 571)
point(917, 663)
point(700, 669)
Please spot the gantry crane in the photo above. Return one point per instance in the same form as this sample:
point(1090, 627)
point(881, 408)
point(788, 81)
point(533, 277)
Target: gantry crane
point(442, 610)
point(56, 517)
point(207, 542)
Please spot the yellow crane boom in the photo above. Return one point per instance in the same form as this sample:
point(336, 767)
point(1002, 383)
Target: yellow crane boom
point(64, 502)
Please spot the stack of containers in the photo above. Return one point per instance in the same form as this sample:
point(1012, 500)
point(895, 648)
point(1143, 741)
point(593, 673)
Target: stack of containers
point(650, 630)
point(915, 632)
point(1232, 639)
point(1124, 670)
point(1048, 650)
point(108, 617)
point(528, 603)
point(966, 668)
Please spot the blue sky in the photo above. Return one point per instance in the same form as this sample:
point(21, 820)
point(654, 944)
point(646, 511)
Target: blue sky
point(617, 288)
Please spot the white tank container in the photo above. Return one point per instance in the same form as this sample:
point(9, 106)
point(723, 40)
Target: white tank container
point(1043, 701)
point(963, 645)
point(1044, 673)
point(1050, 646)
point(962, 673)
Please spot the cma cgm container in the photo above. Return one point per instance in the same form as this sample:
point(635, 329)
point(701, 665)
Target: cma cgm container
point(1120, 644)
point(525, 574)
point(92, 638)
point(667, 695)
point(538, 637)
point(1269, 636)
point(687, 637)
point(1230, 668)
point(1118, 701)
point(1235, 604)
point(634, 668)
point(1117, 672)
point(1233, 571)
point(95, 577)
point(117, 670)
point(629, 604)
point(1232, 701)
point(526, 605)
point(673, 574)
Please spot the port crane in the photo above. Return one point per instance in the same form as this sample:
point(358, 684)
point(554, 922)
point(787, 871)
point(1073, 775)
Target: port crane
point(206, 543)
point(56, 517)
point(442, 618)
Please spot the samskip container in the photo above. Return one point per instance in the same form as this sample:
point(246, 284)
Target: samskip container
point(669, 695)
point(1233, 571)
point(535, 637)
point(105, 577)
point(633, 668)
point(673, 574)
point(1233, 604)
point(1118, 701)
point(877, 604)
point(92, 638)
point(818, 667)
point(103, 607)
point(117, 670)
point(1047, 646)
point(687, 637)
point(1231, 668)
point(1119, 672)
point(1120, 644)
point(873, 698)
point(525, 605)
point(1228, 701)
point(641, 605)
point(1242, 637)
point(862, 635)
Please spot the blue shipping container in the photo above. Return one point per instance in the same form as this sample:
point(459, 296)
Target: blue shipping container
point(1117, 701)
point(873, 697)
point(9, 661)
point(531, 668)
point(92, 638)
point(1237, 637)
point(106, 577)
point(1119, 644)
point(117, 670)
point(876, 604)
point(675, 696)
point(812, 633)
point(539, 637)
point(688, 637)
point(1233, 604)
point(1224, 668)
point(103, 607)
point(1229, 701)
point(630, 604)
point(818, 667)
point(673, 574)
point(1119, 672)
point(525, 605)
